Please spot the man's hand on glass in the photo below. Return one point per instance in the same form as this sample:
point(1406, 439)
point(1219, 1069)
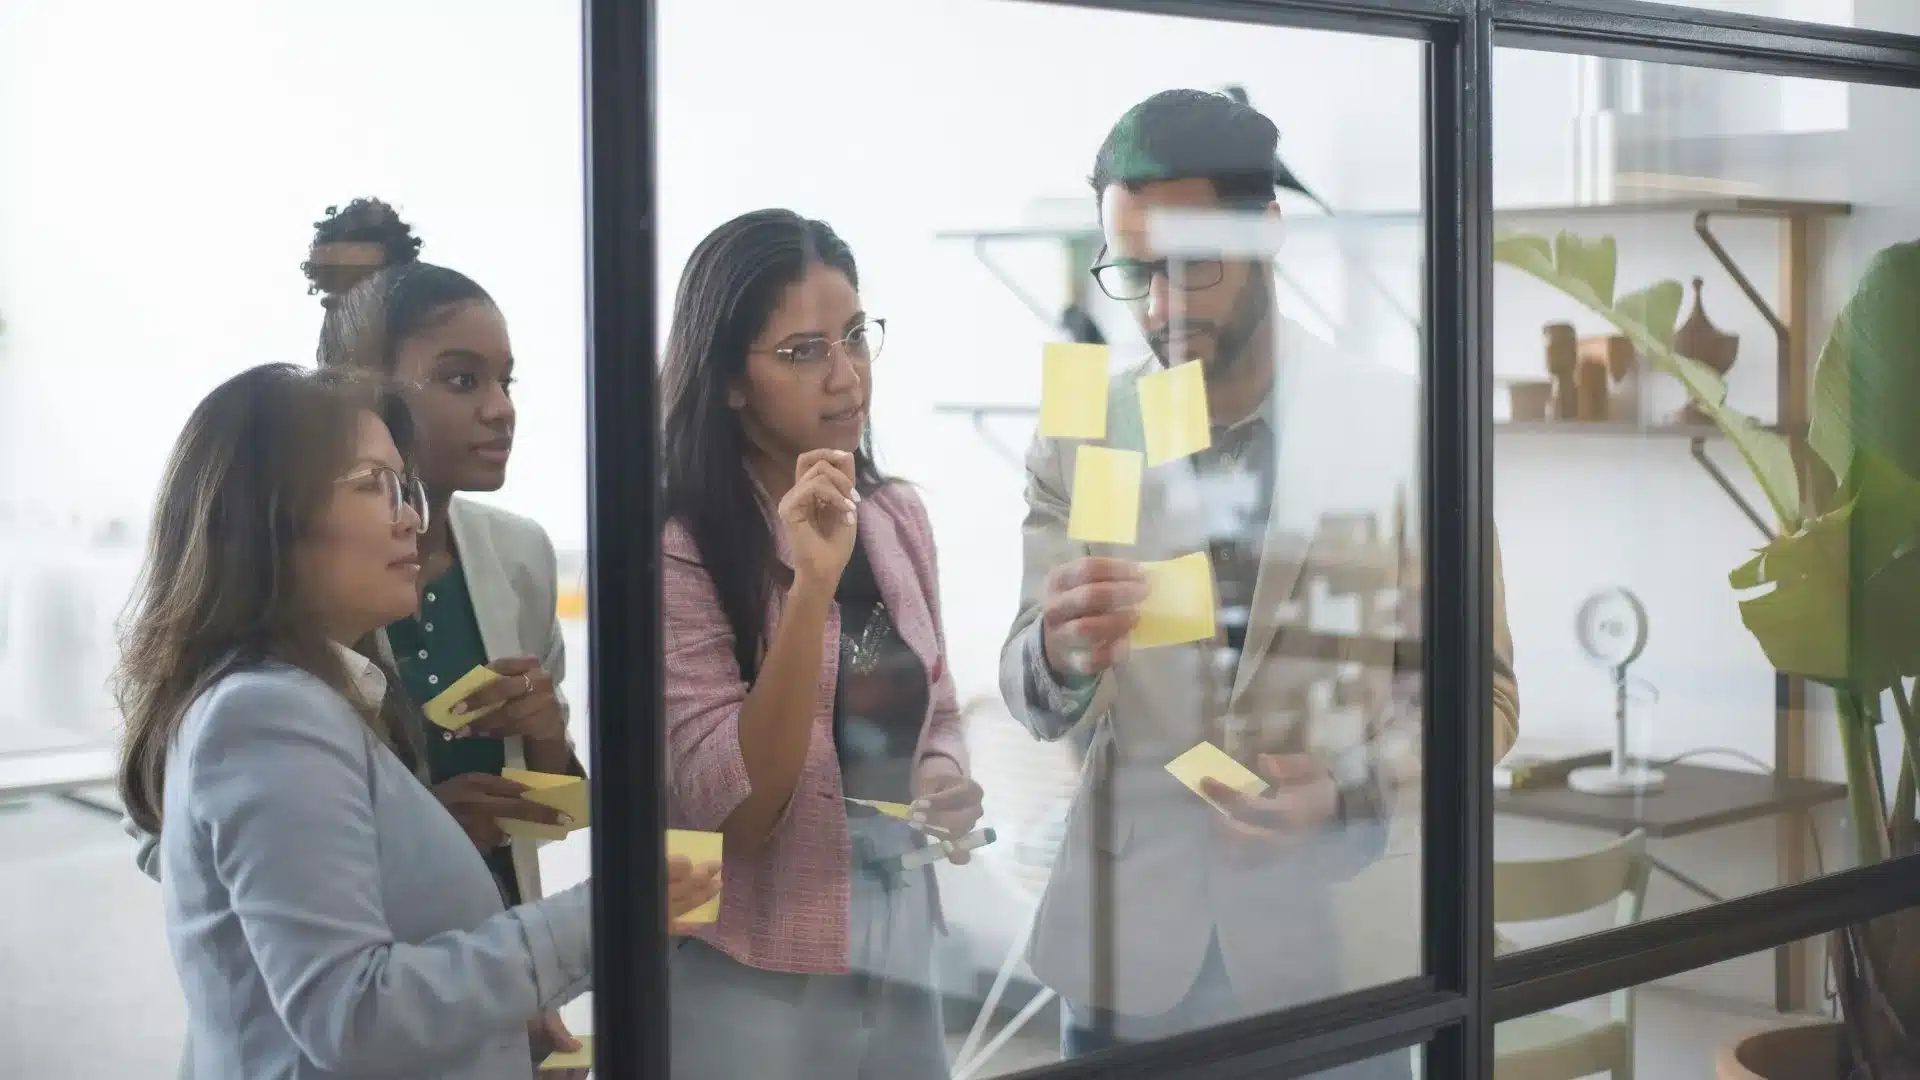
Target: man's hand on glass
point(1092, 604)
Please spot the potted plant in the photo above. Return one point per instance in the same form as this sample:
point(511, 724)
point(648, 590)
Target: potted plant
point(1835, 598)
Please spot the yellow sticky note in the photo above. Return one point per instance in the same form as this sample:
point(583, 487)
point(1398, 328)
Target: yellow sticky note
point(1208, 762)
point(440, 709)
point(567, 794)
point(1106, 496)
point(577, 1059)
point(1073, 391)
point(1179, 604)
point(1173, 410)
point(698, 847)
point(891, 809)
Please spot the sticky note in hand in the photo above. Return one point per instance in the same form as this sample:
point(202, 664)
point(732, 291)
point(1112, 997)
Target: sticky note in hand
point(891, 809)
point(440, 709)
point(1207, 761)
point(1073, 391)
point(698, 848)
point(1179, 603)
point(571, 1059)
point(567, 794)
point(1173, 410)
point(1106, 496)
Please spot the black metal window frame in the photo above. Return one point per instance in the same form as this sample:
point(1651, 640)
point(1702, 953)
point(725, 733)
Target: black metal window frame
point(1452, 1008)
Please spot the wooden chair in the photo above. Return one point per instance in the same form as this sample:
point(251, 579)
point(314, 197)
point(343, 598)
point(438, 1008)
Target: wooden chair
point(1556, 1045)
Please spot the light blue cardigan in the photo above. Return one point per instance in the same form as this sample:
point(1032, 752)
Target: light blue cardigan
point(327, 916)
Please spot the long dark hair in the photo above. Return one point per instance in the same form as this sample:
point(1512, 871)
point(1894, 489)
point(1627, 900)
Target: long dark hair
point(249, 476)
point(729, 289)
point(377, 292)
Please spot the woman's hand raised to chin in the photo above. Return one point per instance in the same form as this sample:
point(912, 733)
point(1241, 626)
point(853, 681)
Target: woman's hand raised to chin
point(818, 516)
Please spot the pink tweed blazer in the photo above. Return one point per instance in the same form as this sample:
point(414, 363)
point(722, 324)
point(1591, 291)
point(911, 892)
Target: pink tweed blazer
point(784, 907)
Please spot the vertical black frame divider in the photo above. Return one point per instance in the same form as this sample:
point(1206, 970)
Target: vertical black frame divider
point(629, 841)
point(1457, 473)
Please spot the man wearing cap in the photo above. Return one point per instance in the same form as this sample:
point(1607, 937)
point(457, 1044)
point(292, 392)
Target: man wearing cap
point(1169, 909)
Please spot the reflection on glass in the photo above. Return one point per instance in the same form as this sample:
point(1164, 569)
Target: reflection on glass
point(1705, 330)
point(1893, 16)
point(101, 362)
point(1718, 1021)
point(1202, 570)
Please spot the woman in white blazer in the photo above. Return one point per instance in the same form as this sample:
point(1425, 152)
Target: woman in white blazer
point(488, 590)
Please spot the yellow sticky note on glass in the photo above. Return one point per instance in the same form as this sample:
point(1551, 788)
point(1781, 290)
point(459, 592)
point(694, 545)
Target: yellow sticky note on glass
point(891, 809)
point(1106, 496)
point(440, 709)
point(1173, 411)
point(1179, 603)
point(1073, 391)
point(574, 1059)
point(1208, 762)
point(567, 794)
point(698, 848)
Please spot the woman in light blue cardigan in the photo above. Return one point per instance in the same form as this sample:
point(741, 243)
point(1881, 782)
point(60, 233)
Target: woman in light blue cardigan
point(326, 915)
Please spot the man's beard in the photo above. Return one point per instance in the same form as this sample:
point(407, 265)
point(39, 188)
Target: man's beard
point(1233, 341)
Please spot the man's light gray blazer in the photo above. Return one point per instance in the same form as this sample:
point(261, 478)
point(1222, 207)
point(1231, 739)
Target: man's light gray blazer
point(1132, 908)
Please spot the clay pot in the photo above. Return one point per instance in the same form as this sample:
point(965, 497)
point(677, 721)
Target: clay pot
point(1801, 1052)
point(1531, 398)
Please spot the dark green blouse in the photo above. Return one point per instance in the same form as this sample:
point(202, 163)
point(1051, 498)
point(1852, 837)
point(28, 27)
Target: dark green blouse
point(431, 651)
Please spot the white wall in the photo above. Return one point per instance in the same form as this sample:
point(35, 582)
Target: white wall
point(158, 185)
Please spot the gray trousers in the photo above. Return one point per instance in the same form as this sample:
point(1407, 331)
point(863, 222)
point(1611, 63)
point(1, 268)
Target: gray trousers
point(880, 1022)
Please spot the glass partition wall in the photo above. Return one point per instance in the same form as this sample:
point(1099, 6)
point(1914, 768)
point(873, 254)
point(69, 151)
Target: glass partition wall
point(1606, 258)
point(1143, 538)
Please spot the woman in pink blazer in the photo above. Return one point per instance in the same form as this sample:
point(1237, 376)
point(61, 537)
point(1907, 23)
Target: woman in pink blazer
point(806, 674)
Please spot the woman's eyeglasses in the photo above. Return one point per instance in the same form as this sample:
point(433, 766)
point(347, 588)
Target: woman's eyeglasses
point(861, 345)
point(1132, 279)
point(401, 492)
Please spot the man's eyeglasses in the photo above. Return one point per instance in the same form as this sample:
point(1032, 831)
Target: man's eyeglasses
point(1132, 279)
point(861, 345)
point(400, 492)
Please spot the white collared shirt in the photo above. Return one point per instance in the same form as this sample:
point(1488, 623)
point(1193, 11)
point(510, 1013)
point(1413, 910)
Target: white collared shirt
point(367, 678)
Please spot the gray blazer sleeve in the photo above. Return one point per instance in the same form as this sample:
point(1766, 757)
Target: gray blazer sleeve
point(279, 795)
point(146, 848)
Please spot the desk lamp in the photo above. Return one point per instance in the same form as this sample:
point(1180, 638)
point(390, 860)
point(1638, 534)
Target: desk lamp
point(1612, 630)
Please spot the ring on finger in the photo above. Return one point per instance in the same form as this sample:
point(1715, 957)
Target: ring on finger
point(526, 680)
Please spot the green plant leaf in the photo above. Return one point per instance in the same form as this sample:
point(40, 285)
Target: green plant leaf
point(1769, 456)
point(1840, 593)
point(1866, 384)
point(1643, 316)
point(1590, 262)
point(1575, 266)
point(1657, 308)
point(1647, 318)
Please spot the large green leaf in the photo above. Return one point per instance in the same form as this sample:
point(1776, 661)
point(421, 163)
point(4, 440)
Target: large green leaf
point(1657, 308)
point(1584, 270)
point(1841, 595)
point(1591, 262)
point(1866, 386)
point(1769, 456)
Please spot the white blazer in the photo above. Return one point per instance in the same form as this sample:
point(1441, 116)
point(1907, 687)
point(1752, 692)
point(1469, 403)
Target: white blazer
point(512, 580)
